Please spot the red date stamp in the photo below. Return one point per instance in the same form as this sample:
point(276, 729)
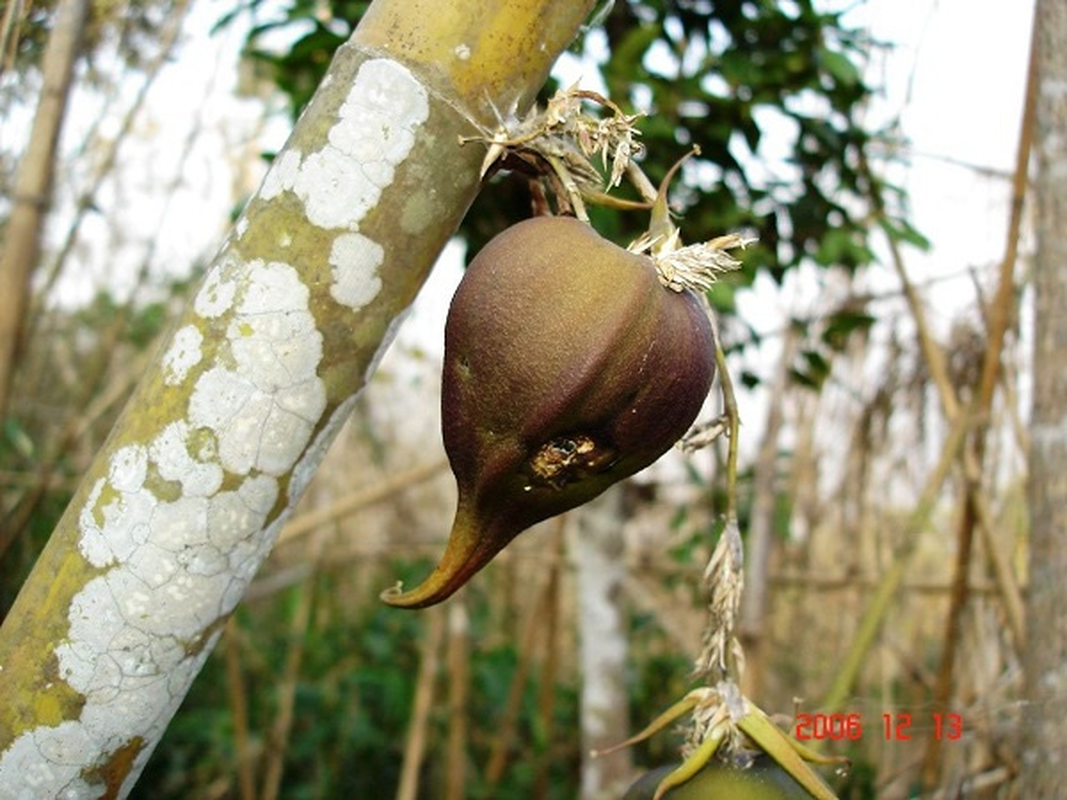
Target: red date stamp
point(895, 727)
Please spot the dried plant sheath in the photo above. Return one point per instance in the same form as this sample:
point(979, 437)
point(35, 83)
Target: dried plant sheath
point(568, 366)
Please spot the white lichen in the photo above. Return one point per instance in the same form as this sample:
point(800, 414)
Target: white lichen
point(262, 411)
point(198, 476)
point(217, 292)
point(281, 175)
point(124, 526)
point(128, 468)
point(183, 354)
point(354, 264)
point(334, 188)
point(375, 131)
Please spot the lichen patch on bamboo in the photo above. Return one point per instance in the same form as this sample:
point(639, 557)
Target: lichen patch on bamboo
point(217, 293)
point(354, 264)
point(281, 176)
point(188, 457)
point(183, 354)
point(375, 131)
point(121, 671)
point(177, 525)
point(264, 408)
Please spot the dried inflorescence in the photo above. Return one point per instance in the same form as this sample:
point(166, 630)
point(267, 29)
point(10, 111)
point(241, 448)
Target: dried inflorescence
point(563, 131)
point(695, 266)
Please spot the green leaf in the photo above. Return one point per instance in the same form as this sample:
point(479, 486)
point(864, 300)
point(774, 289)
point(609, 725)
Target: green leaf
point(900, 230)
point(750, 380)
point(840, 67)
point(814, 371)
point(842, 324)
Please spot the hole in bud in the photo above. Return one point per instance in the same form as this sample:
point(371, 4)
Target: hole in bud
point(568, 459)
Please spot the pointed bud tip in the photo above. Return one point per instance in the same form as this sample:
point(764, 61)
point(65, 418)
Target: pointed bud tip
point(470, 547)
point(435, 589)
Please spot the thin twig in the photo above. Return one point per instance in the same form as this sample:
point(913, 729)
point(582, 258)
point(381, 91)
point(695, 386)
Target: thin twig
point(509, 720)
point(546, 694)
point(238, 695)
point(14, 13)
point(358, 500)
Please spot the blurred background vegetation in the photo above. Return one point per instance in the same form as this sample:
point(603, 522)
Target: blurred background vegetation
point(318, 690)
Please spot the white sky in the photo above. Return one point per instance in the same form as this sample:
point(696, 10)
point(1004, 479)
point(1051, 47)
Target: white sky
point(958, 82)
point(955, 78)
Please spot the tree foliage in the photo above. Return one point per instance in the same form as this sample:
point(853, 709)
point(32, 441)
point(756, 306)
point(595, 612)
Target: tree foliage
point(745, 81)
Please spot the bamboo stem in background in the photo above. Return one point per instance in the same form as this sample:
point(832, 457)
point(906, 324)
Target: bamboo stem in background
point(596, 554)
point(1043, 731)
point(238, 694)
point(509, 720)
point(14, 13)
point(973, 455)
point(752, 626)
point(459, 677)
point(33, 186)
point(418, 728)
point(546, 694)
point(278, 740)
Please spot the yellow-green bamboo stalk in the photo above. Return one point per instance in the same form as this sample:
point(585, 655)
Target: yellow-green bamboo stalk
point(231, 420)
